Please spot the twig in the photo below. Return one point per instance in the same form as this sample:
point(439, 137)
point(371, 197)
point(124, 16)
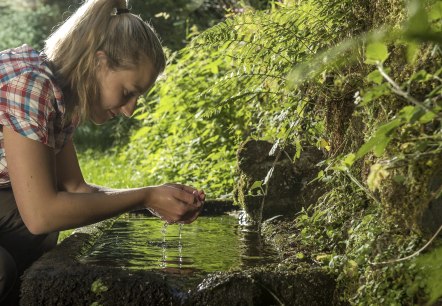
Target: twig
point(398, 90)
point(410, 256)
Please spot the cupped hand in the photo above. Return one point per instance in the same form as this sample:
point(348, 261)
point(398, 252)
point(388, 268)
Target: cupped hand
point(176, 203)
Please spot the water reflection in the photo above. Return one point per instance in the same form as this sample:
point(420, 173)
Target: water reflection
point(207, 245)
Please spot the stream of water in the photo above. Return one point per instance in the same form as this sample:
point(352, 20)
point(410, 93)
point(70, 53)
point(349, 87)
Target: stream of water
point(207, 245)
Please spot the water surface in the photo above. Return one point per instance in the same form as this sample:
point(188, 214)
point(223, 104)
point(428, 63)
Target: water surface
point(207, 245)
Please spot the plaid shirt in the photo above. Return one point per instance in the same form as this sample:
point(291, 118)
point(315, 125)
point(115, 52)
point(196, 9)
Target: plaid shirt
point(31, 102)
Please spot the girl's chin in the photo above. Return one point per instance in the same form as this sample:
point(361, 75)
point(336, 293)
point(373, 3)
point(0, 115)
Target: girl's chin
point(99, 120)
point(102, 118)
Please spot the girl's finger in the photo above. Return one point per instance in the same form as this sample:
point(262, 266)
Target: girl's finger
point(182, 187)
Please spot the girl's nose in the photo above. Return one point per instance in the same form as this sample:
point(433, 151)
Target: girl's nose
point(128, 109)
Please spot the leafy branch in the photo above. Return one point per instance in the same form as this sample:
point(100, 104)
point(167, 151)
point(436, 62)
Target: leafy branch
point(398, 90)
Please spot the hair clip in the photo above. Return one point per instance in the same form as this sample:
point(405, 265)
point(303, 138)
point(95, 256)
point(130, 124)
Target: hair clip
point(122, 11)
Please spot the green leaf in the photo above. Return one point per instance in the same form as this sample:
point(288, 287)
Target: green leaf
point(420, 76)
point(377, 143)
point(412, 52)
point(407, 112)
point(379, 148)
point(98, 287)
point(140, 133)
point(256, 184)
point(386, 129)
point(399, 179)
point(376, 53)
point(380, 139)
point(375, 77)
point(418, 21)
point(435, 11)
point(428, 117)
point(374, 93)
point(349, 159)
point(300, 255)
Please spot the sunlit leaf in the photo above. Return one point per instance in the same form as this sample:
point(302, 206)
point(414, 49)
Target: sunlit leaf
point(324, 144)
point(375, 77)
point(412, 51)
point(376, 52)
point(418, 21)
point(349, 159)
point(255, 185)
point(374, 93)
point(435, 11)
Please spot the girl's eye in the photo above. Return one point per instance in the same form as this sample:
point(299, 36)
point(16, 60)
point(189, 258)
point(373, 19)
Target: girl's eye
point(128, 94)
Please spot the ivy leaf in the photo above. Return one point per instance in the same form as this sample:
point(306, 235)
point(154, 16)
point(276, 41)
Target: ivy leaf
point(376, 53)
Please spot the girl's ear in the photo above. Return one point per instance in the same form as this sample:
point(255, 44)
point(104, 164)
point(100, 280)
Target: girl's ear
point(101, 59)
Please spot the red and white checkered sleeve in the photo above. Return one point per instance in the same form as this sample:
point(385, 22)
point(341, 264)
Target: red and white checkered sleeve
point(26, 105)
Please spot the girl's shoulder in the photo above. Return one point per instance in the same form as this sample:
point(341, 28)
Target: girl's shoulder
point(23, 59)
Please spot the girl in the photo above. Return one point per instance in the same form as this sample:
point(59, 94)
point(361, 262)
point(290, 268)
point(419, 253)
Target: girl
point(94, 67)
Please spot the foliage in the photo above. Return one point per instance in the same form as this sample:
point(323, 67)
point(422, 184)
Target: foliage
point(402, 120)
point(117, 174)
point(178, 140)
point(26, 26)
point(172, 19)
point(431, 273)
point(288, 81)
point(361, 81)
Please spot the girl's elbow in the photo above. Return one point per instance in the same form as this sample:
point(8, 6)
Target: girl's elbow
point(36, 226)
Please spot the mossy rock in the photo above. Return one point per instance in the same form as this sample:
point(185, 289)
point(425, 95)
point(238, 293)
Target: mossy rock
point(287, 191)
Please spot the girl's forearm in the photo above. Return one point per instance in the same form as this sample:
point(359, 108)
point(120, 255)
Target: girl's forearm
point(70, 210)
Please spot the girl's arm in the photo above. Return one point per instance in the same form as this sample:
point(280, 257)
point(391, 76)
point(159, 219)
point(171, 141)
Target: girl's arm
point(44, 208)
point(69, 175)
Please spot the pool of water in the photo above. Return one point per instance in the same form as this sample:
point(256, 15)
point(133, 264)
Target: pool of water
point(207, 245)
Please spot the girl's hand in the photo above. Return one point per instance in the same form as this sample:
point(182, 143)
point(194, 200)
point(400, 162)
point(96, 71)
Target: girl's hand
point(175, 202)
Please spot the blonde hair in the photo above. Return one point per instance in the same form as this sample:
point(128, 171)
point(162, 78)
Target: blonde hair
point(125, 39)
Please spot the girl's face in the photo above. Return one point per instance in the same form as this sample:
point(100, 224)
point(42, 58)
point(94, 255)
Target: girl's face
point(120, 89)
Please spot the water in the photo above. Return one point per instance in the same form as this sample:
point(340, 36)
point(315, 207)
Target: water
point(207, 245)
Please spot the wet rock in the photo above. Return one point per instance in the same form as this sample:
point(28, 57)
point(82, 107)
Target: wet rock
point(265, 287)
point(60, 278)
point(288, 189)
point(57, 278)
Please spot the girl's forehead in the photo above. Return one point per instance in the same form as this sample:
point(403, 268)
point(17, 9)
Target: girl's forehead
point(141, 76)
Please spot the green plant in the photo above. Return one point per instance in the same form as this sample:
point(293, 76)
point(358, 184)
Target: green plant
point(26, 26)
point(358, 81)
